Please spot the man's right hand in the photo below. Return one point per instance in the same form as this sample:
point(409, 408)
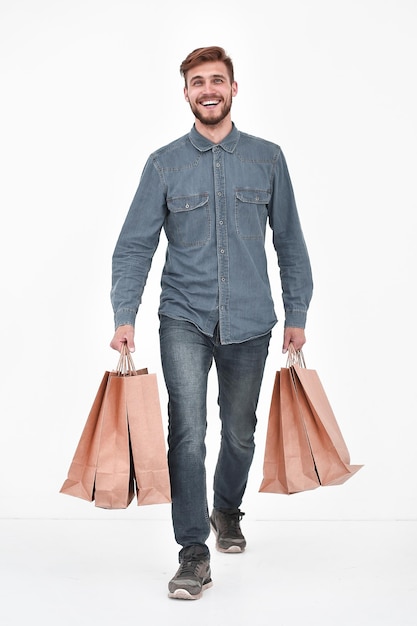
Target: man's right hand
point(123, 334)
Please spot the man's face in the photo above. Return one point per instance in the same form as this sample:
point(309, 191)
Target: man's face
point(210, 92)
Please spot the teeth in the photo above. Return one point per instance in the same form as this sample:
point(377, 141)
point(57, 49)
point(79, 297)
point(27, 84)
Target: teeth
point(210, 102)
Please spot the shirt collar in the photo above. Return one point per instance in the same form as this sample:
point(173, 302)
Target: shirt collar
point(203, 144)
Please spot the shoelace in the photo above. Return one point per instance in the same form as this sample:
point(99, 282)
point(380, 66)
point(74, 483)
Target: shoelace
point(234, 521)
point(189, 567)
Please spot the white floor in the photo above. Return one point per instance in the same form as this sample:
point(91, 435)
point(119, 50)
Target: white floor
point(66, 572)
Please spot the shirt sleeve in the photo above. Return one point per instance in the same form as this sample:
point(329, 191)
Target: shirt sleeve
point(291, 249)
point(136, 245)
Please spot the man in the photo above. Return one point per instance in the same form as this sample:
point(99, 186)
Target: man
point(213, 192)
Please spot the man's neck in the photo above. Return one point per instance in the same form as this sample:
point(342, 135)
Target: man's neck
point(215, 133)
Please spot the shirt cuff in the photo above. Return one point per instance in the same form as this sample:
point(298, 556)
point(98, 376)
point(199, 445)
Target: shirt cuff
point(295, 319)
point(124, 316)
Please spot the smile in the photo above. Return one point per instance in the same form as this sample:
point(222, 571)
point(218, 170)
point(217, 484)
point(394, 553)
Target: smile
point(210, 103)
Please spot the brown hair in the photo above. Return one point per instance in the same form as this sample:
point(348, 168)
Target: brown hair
point(204, 55)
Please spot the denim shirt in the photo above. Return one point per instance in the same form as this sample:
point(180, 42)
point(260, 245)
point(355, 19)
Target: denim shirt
point(214, 202)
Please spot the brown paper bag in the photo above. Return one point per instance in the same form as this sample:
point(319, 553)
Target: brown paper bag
point(288, 462)
point(82, 472)
point(288, 467)
point(122, 448)
point(147, 440)
point(114, 486)
point(331, 455)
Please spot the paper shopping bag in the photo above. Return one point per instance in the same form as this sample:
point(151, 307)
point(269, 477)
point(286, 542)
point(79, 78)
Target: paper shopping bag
point(122, 449)
point(114, 484)
point(147, 443)
point(147, 440)
point(312, 426)
point(330, 452)
point(288, 462)
point(82, 472)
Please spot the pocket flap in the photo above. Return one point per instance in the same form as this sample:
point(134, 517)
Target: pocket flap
point(253, 196)
point(187, 203)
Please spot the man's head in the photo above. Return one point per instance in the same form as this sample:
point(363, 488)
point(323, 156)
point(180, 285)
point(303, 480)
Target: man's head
point(209, 86)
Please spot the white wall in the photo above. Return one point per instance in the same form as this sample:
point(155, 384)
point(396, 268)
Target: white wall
point(89, 89)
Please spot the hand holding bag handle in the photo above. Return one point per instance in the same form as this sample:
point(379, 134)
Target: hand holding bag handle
point(125, 365)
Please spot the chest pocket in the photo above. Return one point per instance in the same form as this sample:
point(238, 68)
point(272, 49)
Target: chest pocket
point(188, 224)
point(251, 212)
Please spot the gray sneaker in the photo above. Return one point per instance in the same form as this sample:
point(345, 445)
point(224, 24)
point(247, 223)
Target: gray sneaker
point(226, 527)
point(192, 577)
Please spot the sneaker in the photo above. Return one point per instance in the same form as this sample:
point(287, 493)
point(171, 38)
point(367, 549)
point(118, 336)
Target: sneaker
point(226, 527)
point(192, 577)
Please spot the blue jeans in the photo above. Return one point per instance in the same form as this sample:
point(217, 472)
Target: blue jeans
point(187, 355)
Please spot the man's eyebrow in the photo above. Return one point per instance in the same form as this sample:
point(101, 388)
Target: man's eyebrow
point(197, 76)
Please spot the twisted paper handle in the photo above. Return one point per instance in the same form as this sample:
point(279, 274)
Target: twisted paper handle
point(295, 357)
point(125, 366)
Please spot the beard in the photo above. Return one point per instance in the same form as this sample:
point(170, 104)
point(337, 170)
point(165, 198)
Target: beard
point(212, 120)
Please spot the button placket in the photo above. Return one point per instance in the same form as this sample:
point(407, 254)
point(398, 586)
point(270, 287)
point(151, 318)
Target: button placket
point(222, 243)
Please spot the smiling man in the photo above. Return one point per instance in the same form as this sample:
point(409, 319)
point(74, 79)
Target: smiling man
point(213, 191)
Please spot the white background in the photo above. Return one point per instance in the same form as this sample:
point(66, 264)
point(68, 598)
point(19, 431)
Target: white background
point(88, 89)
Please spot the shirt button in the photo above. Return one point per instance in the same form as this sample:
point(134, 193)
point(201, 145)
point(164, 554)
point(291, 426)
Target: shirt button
point(221, 222)
point(219, 193)
point(217, 164)
point(222, 251)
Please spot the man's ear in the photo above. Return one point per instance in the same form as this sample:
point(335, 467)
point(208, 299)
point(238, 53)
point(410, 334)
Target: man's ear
point(186, 94)
point(234, 88)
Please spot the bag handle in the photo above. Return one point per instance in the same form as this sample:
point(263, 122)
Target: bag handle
point(125, 366)
point(295, 357)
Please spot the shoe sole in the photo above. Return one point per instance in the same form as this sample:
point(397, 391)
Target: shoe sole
point(234, 549)
point(183, 594)
point(230, 550)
